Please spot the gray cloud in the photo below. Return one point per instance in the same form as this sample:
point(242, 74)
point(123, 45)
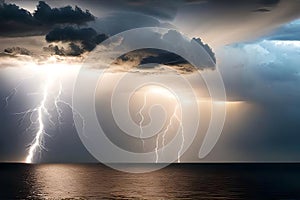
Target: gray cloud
point(16, 21)
point(207, 48)
point(68, 34)
point(225, 22)
point(65, 15)
point(80, 40)
point(140, 57)
point(266, 74)
point(262, 10)
point(17, 51)
point(289, 31)
point(72, 50)
point(168, 9)
point(150, 58)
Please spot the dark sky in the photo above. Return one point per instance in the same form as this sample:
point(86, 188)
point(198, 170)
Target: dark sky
point(255, 44)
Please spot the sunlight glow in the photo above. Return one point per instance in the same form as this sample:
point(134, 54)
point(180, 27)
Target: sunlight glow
point(201, 100)
point(157, 90)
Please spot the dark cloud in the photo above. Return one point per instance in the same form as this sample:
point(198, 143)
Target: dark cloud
point(262, 10)
point(207, 48)
point(17, 51)
point(72, 50)
point(64, 15)
point(16, 21)
point(68, 34)
point(80, 40)
point(163, 57)
point(149, 58)
point(90, 44)
point(139, 58)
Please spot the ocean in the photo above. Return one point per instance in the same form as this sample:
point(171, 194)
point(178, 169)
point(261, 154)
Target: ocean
point(177, 181)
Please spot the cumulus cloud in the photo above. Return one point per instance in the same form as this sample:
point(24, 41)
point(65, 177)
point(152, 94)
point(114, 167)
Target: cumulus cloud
point(65, 15)
point(197, 55)
point(207, 48)
point(80, 40)
point(17, 51)
point(16, 21)
point(146, 59)
point(68, 34)
point(268, 69)
point(72, 50)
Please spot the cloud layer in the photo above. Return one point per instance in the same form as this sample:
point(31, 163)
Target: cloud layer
point(198, 56)
point(65, 15)
point(16, 21)
point(266, 74)
point(79, 40)
point(289, 31)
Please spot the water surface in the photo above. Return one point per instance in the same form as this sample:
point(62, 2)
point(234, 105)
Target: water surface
point(184, 181)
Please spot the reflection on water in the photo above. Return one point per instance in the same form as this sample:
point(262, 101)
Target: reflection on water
point(94, 181)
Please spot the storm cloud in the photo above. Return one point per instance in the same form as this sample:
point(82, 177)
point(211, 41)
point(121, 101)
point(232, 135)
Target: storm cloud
point(16, 21)
point(68, 34)
point(199, 52)
point(80, 40)
point(64, 15)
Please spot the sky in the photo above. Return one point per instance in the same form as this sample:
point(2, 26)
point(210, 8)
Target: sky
point(255, 45)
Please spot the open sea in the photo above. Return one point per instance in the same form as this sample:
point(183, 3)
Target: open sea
point(177, 181)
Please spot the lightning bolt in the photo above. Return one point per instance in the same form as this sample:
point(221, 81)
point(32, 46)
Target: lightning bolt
point(52, 91)
point(164, 133)
point(41, 109)
point(182, 135)
point(140, 113)
point(174, 116)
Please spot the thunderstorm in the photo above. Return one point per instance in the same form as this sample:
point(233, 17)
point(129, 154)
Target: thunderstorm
point(48, 108)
